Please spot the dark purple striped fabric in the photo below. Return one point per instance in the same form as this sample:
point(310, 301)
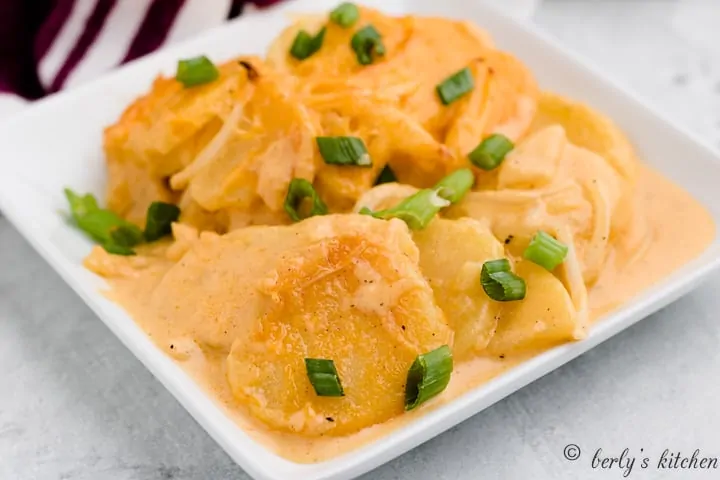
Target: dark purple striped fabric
point(20, 20)
point(154, 29)
point(92, 28)
point(51, 27)
point(28, 29)
point(236, 8)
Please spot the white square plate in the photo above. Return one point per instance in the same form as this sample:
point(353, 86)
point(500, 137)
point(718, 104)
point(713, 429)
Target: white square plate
point(57, 143)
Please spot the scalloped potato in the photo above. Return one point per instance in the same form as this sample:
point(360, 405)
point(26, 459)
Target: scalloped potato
point(452, 254)
point(546, 317)
point(340, 263)
point(359, 299)
point(160, 133)
point(416, 61)
point(346, 287)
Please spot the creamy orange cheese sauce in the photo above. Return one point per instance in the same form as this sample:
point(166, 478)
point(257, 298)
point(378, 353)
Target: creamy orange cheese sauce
point(678, 230)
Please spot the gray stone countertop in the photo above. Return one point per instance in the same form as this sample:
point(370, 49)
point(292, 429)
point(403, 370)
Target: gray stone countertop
point(76, 405)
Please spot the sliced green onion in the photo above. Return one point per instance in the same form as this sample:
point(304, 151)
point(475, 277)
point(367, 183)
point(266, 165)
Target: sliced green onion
point(386, 176)
point(420, 208)
point(345, 15)
point(118, 249)
point(546, 251)
point(105, 227)
point(305, 45)
point(160, 217)
point(499, 283)
point(116, 235)
point(417, 210)
point(491, 152)
point(196, 71)
point(81, 205)
point(456, 185)
point(299, 190)
point(367, 43)
point(428, 376)
point(126, 236)
point(324, 377)
point(455, 86)
point(344, 151)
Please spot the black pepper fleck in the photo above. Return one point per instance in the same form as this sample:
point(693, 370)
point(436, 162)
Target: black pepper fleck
point(330, 419)
point(252, 73)
point(509, 239)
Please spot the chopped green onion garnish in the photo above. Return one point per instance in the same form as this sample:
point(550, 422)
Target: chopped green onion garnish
point(545, 251)
point(491, 152)
point(118, 249)
point(324, 377)
point(417, 210)
point(160, 217)
point(456, 185)
point(386, 176)
point(196, 71)
point(305, 45)
point(299, 190)
point(344, 151)
point(367, 43)
point(126, 236)
point(455, 86)
point(105, 227)
point(80, 205)
point(428, 376)
point(500, 283)
point(116, 234)
point(345, 15)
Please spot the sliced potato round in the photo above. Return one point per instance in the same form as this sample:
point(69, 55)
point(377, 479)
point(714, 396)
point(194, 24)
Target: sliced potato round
point(389, 135)
point(160, 133)
point(157, 128)
point(504, 101)
point(266, 142)
point(452, 253)
point(545, 318)
point(590, 129)
point(356, 297)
